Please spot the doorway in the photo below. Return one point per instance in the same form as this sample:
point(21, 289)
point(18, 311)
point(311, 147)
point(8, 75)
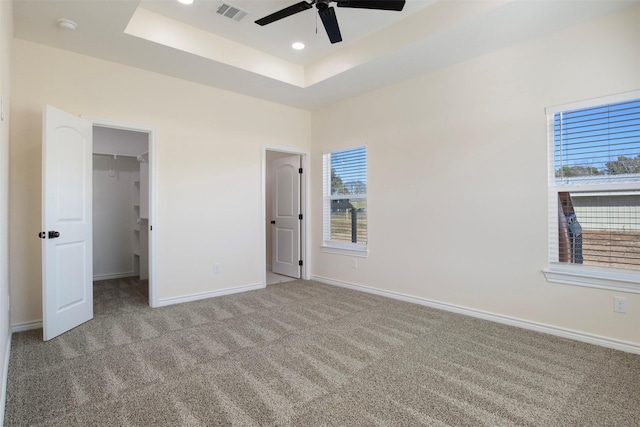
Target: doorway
point(284, 205)
point(67, 212)
point(120, 220)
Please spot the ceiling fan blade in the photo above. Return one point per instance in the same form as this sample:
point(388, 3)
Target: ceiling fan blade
point(287, 11)
point(397, 5)
point(330, 22)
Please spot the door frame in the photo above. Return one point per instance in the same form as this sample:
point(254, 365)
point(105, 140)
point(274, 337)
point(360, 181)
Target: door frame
point(153, 194)
point(305, 227)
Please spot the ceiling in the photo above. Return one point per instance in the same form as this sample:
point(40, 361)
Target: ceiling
point(193, 42)
point(276, 38)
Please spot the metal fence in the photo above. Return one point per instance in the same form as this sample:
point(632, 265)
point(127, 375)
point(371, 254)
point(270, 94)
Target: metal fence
point(349, 226)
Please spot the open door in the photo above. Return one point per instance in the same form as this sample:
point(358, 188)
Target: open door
point(67, 262)
point(286, 220)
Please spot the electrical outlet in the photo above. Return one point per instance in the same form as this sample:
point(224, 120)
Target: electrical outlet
point(354, 263)
point(620, 304)
point(216, 268)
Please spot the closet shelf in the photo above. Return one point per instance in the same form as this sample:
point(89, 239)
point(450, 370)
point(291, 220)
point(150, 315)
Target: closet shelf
point(141, 226)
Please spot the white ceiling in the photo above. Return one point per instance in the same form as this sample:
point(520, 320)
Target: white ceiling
point(276, 38)
point(378, 48)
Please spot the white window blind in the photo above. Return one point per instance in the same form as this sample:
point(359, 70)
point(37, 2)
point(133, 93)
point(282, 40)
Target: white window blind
point(595, 185)
point(601, 142)
point(345, 198)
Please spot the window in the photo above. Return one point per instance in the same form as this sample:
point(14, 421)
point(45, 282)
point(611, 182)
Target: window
point(594, 193)
point(345, 201)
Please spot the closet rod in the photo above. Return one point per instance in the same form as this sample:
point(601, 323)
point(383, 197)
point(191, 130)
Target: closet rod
point(113, 155)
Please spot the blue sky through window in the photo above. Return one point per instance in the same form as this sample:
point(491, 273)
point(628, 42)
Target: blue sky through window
point(603, 140)
point(350, 166)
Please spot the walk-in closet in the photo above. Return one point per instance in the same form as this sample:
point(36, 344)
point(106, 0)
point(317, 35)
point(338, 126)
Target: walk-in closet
point(120, 204)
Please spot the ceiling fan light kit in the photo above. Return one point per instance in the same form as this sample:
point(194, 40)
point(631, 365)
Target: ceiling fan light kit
point(328, 15)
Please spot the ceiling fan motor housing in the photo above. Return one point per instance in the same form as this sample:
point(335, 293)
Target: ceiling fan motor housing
point(328, 14)
point(322, 4)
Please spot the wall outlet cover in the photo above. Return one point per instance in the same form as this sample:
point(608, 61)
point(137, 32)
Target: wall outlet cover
point(620, 304)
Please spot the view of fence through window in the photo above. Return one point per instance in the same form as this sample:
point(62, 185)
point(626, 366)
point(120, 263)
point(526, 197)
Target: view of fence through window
point(599, 146)
point(349, 196)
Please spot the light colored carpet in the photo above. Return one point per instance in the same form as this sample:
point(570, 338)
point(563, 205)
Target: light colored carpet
point(308, 354)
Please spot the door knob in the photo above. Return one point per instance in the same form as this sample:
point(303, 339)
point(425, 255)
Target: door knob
point(42, 235)
point(54, 234)
point(273, 222)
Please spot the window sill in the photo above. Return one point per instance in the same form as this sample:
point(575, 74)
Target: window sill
point(593, 277)
point(361, 252)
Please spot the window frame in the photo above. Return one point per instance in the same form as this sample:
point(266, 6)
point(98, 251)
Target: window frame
point(332, 246)
point(579, 274)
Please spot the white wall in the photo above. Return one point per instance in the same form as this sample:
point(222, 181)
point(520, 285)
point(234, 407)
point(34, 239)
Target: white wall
point(113, 216)
point(118, 141)
point(457, 180)
point(6, 36)
point(209, 167)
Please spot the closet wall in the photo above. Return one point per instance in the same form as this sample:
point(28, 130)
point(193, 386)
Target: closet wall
point(113, 217)
point(120, 204)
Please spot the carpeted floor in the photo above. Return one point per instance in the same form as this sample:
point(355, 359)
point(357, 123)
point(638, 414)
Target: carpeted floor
point(309, 354)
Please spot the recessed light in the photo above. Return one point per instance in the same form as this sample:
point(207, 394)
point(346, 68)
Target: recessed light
point(298, 46)
point(186, 1)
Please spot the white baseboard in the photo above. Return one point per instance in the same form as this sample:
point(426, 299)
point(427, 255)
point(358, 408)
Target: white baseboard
point(26, 326)
point(5, 378)
point(114, 276)
point(626, 346)
point(204, 295)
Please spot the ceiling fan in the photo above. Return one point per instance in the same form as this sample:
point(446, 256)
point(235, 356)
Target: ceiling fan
point(328, 14)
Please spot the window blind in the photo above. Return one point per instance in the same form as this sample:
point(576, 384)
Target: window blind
point(600, 142)
point(596, 160)
point(345, 196)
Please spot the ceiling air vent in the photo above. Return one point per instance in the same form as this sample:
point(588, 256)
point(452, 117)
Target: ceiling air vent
point(232, 12)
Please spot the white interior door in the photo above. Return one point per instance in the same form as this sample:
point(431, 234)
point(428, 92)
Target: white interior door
point(286, 208)
point(67, 262)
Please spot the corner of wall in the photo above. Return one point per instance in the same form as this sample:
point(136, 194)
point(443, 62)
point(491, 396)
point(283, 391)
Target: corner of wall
point(6, 38)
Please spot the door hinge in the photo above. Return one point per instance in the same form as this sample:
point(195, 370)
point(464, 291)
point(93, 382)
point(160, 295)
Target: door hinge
point(300, 217)
point(300, 170)
point(300, 263)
